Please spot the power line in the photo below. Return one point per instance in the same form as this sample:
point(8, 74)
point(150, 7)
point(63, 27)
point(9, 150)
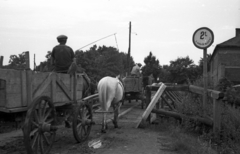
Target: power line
point(116, 42)
point(96, 41)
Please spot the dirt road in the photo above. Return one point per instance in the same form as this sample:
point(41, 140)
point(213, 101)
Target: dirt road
point(126, 140)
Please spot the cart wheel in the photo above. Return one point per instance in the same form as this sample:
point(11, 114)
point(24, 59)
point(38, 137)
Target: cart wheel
point(82, 122)
point(38, 130)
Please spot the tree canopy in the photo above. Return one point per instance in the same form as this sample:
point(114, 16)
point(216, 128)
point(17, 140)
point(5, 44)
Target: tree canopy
point(16, 62)
point(182, 70)
point(151, 66)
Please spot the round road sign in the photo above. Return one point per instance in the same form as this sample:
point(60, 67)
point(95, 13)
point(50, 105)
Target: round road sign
point(203, 38)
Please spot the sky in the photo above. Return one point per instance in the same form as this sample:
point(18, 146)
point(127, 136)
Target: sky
point(164, 27)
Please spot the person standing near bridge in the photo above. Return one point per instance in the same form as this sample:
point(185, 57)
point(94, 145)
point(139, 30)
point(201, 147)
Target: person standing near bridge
point(136, 70)
point(62, 55)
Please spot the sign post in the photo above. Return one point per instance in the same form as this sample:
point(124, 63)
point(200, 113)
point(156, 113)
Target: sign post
point(202, 39)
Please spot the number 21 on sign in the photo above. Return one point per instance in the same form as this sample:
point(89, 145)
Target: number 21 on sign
point(203, 38)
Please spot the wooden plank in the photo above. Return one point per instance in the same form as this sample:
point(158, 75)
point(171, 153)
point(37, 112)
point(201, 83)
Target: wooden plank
point(152, 104)
point(79, 87)
point(178, 88)
point(211, 93)
point(94, 96)
point(172, 97)
point(53, 88)
point(46, 82)
point(13, 88)
point(29, 87)
point(24, 88)
point(74, 87)
point(166, 102)
point(182, 116)
point(27, 59)
point(64, 88)
point(13, 100)
point(175, 96)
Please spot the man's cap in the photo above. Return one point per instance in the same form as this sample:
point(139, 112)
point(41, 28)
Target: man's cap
point(62, 37)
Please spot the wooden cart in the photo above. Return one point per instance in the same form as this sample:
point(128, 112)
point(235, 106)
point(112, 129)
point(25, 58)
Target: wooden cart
point(133, 89)
point(41, 95)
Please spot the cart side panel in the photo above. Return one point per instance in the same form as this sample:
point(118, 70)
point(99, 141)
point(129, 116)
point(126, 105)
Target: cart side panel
point(64, 88)
point(79, 87)
point(57, 86)
point(11, 88)
point(52, 85)
point(133, 84)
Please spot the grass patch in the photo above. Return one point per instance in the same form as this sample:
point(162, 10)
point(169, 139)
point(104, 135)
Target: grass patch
point(182, 141)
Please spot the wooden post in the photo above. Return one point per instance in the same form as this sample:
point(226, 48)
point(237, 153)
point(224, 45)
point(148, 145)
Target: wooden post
point(27, 59)
point(24, 87)
point(148, 95)
point(129, 49)
point(162, 103)
point(204, 80)
point(1, 61)
point(217, 115)
point(34, 63)
point(158, 103)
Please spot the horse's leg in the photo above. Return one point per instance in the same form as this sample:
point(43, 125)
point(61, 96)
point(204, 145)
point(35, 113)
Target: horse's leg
point(104, 125)
point(68, 119)
point(116, 109)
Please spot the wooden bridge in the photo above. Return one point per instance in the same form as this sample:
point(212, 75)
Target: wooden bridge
point(162, 92)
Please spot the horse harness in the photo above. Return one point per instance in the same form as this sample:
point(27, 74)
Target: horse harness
point(121, 84)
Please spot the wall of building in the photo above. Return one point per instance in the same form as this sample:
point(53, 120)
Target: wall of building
point(225, 63)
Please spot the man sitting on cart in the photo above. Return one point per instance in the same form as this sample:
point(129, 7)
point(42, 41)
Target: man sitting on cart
point(136, 71)
point(62, 55)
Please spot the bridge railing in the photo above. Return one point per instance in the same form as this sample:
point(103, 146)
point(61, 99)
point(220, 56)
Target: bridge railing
point(217, 97)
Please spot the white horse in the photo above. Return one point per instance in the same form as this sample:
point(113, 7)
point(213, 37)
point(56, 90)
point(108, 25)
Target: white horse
point(110, 91)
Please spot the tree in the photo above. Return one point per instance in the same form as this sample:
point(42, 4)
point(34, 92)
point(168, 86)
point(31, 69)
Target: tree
point(183, 70)
point(151, 66)
point(45, 65)
point(200, 63)
point(17, 62)
point(102, 61)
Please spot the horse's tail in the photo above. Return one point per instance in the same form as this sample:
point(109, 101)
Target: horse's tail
point(106, 94)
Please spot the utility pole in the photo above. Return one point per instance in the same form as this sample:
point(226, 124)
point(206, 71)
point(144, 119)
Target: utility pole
point(129, 49)
point(1, 61)
point(34, 63)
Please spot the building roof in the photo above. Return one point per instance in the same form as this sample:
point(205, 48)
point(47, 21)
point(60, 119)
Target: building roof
point(233, 42)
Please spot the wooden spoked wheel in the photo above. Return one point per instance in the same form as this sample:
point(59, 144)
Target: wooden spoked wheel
point(38, 130)
point(82, 122)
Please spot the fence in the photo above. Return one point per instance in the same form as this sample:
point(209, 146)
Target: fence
point(217, 96)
